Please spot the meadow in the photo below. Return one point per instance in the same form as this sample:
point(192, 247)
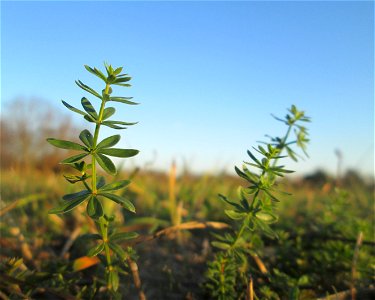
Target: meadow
point(189, 238)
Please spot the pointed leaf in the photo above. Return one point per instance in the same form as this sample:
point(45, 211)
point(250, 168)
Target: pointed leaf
point(225, 199)
point(108, 112)
point(89, 108)
point(94, 208)
point(113, 280)
point(124, 236)
point(96, 72)
point(67, 206)
point(111, 125)
point(106, 163)
point(125, 100)
point(120, 200)
point(235, 215)
point(221, 245)
point(120, 123)
point(72, 108)
point(74, 159)
point(100, 182)
point(119, 152)
point(66, 144)
point(82, 194)
point(86, 138)
point(96, 250)
point(266, 217)
point(87, 89)
point(109, 142)
point(118, 250)
point(115, 185)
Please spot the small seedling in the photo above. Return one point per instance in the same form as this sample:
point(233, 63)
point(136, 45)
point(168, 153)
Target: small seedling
point(91, 153)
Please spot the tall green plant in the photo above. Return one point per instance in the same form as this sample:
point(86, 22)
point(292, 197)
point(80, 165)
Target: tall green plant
point(254, 211)
point(91, 153)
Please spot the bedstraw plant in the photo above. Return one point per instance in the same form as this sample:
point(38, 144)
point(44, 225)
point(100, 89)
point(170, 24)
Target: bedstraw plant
point(228, 276)
point(92, 153)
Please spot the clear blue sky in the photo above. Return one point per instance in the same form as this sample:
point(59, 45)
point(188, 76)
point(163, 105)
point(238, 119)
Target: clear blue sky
point(207, 74)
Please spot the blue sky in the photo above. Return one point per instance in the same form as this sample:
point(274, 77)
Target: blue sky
point(207, 74)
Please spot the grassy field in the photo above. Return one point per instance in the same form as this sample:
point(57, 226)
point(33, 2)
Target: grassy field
point(325, 245)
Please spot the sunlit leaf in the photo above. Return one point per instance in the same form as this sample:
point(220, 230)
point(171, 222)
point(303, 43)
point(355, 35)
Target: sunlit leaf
point(120, 200)
point(86, 137)
point(66, 144)
point(106, 163)
point(119, 152)
point(115, 185)
point(109, 141)
point(96, 250)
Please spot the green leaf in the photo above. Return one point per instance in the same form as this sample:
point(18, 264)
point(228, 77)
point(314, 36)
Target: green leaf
point(94, 208)
point(265, 228)
point(266, 217)
point(235, 215)
point(125, 100)
point(119, 152)
point(115, 185)
point(121, 80)
point(109, 142)
point(73, 178)
point(86, 138)
point(220, 245)
point(72, 108)
point(253, 157)
point(87, 89)
point(89, 118)
point(91, 236)
point(100, 182)
point(96, 72)
point(67, 206)
point(82, 194)
point(108, 124)
point(118, 250)
point(123, 84)
point(66, 144)
point(105, 163)
point(225, 199)
point(120, 123)
point(108, 112)
point(117, 71)
point(113, 280)
point(120, 200)
point(124, 236)
point(96, 250)
point(89, 108)
point(74, 159)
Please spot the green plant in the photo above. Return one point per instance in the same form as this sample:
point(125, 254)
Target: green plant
point(91, 153)
point(255, 209)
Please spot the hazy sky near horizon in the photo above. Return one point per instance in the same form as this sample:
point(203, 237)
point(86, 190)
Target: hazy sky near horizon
point(207, 74)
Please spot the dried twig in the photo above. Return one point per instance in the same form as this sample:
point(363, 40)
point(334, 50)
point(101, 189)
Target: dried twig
point(75, 233)
point(183, 226)
point(250, 290)
point(137, 280)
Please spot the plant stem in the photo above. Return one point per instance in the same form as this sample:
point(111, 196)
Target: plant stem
point(103, 223)
point(96, 136)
